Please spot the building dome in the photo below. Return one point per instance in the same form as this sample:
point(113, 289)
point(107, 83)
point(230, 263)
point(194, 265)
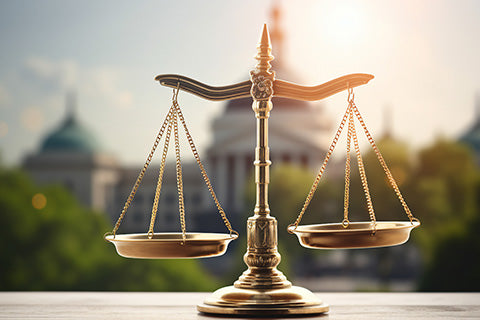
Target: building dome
point(71, 136)
point(472, 136)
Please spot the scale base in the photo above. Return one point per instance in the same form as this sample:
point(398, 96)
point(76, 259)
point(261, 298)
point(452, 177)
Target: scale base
point(288, 301)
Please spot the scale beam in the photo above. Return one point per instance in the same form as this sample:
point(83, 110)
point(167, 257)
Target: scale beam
point(234, 91)
point(295, 91)
point(281, 88)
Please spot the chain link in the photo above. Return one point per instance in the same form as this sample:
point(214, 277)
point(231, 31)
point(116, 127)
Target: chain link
point(363, 177)
point(160, 175)
point(181, 201)
point(346, 222)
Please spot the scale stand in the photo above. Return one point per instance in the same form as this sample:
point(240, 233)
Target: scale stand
point(263, 290)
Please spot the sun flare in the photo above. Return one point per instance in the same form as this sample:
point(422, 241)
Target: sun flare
point(342, 21)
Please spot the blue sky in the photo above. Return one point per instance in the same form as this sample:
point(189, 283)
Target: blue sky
point(425, 56)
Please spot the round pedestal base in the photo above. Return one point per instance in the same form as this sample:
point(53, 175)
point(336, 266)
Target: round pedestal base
point(252, 302)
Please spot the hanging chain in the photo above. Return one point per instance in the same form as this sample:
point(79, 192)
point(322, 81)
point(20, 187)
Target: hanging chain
point(160, 174)
point(346, 222)
point(202, 169)
point(361, 170)
point(352, 111)
point(293, 226)
point(390, 178)
point(171, 120)
point(181, 201)
point(141, 174)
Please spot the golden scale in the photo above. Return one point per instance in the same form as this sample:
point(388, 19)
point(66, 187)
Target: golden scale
point(262, 290)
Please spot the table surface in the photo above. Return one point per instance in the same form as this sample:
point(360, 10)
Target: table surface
point(168, 305)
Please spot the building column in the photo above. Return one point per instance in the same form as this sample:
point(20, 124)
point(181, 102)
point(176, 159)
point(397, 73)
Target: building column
point(240, 179)
point(221, 179)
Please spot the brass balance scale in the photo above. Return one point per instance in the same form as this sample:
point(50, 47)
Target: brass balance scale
point(262, 290)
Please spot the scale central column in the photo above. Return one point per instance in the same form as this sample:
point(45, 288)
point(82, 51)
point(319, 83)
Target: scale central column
point(262, 289)
point(262, 256)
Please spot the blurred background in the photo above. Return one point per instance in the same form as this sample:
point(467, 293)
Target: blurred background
point(79, 111)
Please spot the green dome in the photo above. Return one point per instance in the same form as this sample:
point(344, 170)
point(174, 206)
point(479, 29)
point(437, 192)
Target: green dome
point(71, 137)
point(472, 137)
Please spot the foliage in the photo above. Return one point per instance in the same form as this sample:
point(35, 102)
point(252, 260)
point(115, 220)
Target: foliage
point(441, 189)
point(446, 171)
point(60, 247)
point(447, 193)
point(455, 261)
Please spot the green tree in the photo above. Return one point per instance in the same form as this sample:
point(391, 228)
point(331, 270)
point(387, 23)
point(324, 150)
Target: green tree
point(49, 242)
point(446, 192)
point(455, 261)
point(452, 166)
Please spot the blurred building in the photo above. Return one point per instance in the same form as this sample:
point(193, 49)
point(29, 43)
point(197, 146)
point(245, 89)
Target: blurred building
point(72, 157)
point(472, 136)
point(299, 133)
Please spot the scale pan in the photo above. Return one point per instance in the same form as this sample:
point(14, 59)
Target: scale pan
point(356, 235)
point(170, 245)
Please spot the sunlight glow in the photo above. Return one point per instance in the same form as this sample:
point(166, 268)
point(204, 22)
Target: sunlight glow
point(342, 21)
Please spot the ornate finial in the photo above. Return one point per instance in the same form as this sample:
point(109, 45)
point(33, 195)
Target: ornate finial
point(264, 54)
point(262, 78)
